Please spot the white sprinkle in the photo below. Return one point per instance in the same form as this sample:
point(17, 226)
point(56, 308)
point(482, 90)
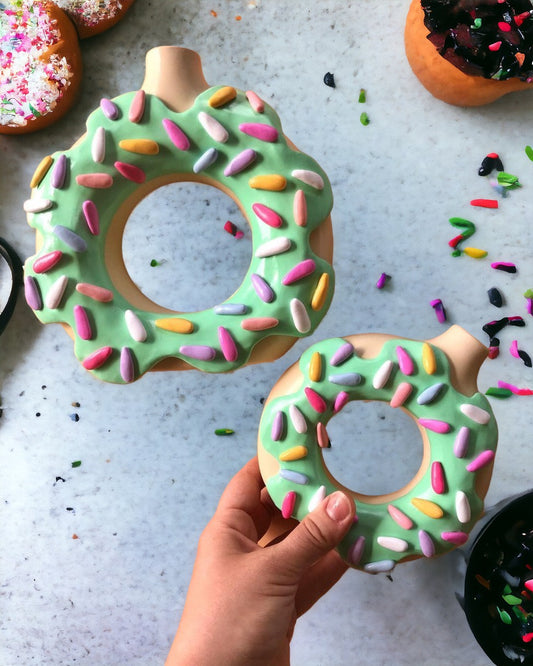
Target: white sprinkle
point(382, 375)
point(273, 247)
point(393, 543)
point(135, 326)
point(299, 316)
point(475, 413)
point(98, 145)
point(318, 496)
point(383, 566)
point(37, 205)
point(216, 130)
point(55, 293)
point(462, 507)
point(311, 178)
point(297, 419)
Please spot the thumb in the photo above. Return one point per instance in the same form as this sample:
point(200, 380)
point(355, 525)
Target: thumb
point(318, 533)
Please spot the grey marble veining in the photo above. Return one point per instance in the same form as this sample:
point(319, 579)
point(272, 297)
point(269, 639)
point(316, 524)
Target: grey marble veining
point(152, 469)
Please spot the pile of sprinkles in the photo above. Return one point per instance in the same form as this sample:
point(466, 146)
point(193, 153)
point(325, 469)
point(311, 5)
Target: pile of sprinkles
point(91, 12)
point(30, 84)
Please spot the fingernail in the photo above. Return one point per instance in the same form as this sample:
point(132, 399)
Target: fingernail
point(338, 507)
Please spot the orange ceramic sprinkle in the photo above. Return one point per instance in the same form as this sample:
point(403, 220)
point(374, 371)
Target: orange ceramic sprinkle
point(315, 367)
point(295, 453)
point(427, 507)
point(40, 171)
point(273, 182)
point(428, 359)
point(222, 96)
point(321, 292)
point(475, 252)
point(175, 325)
point(140, 146)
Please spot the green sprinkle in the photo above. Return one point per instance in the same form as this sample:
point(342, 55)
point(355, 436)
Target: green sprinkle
point(497, 392)
point(528, 293)
point(76, 463)
point(477, 23)
point(154, 262)
point(504, 616)
point(365, 120)
point(456, 253)
point(511, 599)
point(508, 180)
point(223, 432)
point(529, 152)
point(36, 113)
point(461, 223)
point(362, 96)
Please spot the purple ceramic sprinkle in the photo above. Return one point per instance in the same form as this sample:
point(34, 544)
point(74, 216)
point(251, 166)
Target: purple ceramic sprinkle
point(437, 305)
point(278, 425)
point(342, 354)
point(109, 108)
point(126, 365)
point(426, 544)
point(382, 280)
point(240, 162)
point(59, 172)
point(198, 352)
point(460, 447)
point(262, 288)
point(32, 293)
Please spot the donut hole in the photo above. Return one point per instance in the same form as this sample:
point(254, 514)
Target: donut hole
point(380, 454)
point(175, 236)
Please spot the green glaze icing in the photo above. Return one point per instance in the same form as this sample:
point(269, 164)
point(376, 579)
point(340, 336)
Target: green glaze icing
point(279, 432)
point(107, 325)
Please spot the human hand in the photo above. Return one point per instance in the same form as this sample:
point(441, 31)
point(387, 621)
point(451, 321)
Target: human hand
point(243, 599)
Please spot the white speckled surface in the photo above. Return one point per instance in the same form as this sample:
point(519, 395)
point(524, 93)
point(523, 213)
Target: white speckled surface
point(152, 469)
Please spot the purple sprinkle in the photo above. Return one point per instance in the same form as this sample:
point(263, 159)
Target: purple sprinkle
point(70, 238)
point(109, 108)
point(278, 425)
point(461, 442)
point(504, 266)
point(437, 305)
point(382, 281)
point(126, 365)
point(240, 162)
point(59, 172)
point(198, 352)
point(262, 288)
point(426, 544)
point(32, 293)
point(343, 352)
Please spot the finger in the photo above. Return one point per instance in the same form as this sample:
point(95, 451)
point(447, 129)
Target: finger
point(318, 533)
point(317, 580)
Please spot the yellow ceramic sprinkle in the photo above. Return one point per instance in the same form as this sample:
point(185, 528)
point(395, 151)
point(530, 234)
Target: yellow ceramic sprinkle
point(175, 325)
point(315, 367)
point(140, 146)
point(222, 96)
point(427, 507)
point(272, 182)
point(296, 453)
point(40, 171)
point(475, 252)
point(320, 293)
point(428, 359)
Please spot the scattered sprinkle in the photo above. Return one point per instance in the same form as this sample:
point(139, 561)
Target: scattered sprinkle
point(499, 392)
point(495, 297)
point(529, 152)
point(505, 266)
point(75, 417)
point(233, 230)
point(224, 432)
point(485, 203)
point(508, 181)
point(362, 96)
point(364, 119)
point(154, 262)
point(382, 280)
point(490, 162)
point(76, 463)
point(437, 305)
point(475, 252)
point(329, 79)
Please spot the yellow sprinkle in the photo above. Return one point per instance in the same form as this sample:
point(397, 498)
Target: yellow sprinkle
point(321, 292)
point(40, 171)
point(140, 146)
point(272, 182)
point(427, 507)
point(315, 367)
point(428, 359)
point(175, 325)
point(296, 453)
point(475, 252)
point(222, 96)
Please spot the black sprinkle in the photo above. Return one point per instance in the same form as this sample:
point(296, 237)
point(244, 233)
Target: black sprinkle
point(37, 413)
point(329, 80)
point(487, 166)
point(525, 357)
point(499, 164)
point(494, 342)
point(517, 321)
point(495, 297)
point(494, 327)
point(60, 478)
point(69, 508)
point(74, 417)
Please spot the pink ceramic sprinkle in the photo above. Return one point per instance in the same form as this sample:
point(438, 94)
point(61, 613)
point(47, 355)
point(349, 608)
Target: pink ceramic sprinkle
point(495, 46)
point(97, 181)
point(92, 218)
point(322, 435)
point(426, 544)
point(100, 294)
point(514, 349)
point(32, 293)
point(504, 27)
point(316, 401)
point(440, 427)
point(483, 459)
point(227, 344)
point(399, 517)
point(340, 401)
point(437, 305)
point(299, 208)
point(233, 230)
point(97, 358)
point(81, 320)
point(438, 482)
point(131, 172)
point(136, 110)
point(260, 131)
point(382, 280)
point(356, 551)
point(127, 370)
point(255, 101)
point(403, 391)
point(287, 506)
point(259, 323)
point(59, 172)
point(98, 145)
point(311, 178)
point(299, 272)
point(457, 538)
point(405, 362)
point(176, 134)
point(109, 108)
point(267, 215)
point(278, 425)
point(198, 352)
point(47, 261)
point(240, 162)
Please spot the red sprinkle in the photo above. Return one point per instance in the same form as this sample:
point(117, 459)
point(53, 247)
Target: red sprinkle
point(233, 230)
point(485, 203)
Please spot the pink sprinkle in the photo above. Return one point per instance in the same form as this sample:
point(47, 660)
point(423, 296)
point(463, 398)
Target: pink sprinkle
point(92, 217)
point(440, 427)
point(198, 352)
point(340, 401)
point(399, 517)
point(233, 230)
point(100, 294)
point(47, 261)
point(506, 266)
point(515, 389)
point(109, 108)
point(426, 544)
point(267, 215)
point(322, 435)
point(316, 401)
point(32, 293)
point(355, 552)
point(382, 280)
point(127, 369)
point(131, 172)
point(299, 272)
point(287, 506)
point(81, 320)
point(437, 305)
point(97, 358)
point(136, 111)
point(438, 481)
point(483, 459)
point(457, 538)
point(403, 391)
point(528, 584)
point(299, 208)
point(504, 27)
point(255, 101)
point(97, 181)
point(260, 131)
point(514, 349)
point(405, 362)
point(176, 134)
point(227, 344)
point(495, 46)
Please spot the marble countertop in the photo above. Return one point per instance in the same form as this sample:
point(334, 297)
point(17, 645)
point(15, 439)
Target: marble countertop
point(96, 557)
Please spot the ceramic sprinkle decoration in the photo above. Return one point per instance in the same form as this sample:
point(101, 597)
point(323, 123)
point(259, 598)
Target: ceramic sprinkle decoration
point(81, 200)
point(437, 509)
